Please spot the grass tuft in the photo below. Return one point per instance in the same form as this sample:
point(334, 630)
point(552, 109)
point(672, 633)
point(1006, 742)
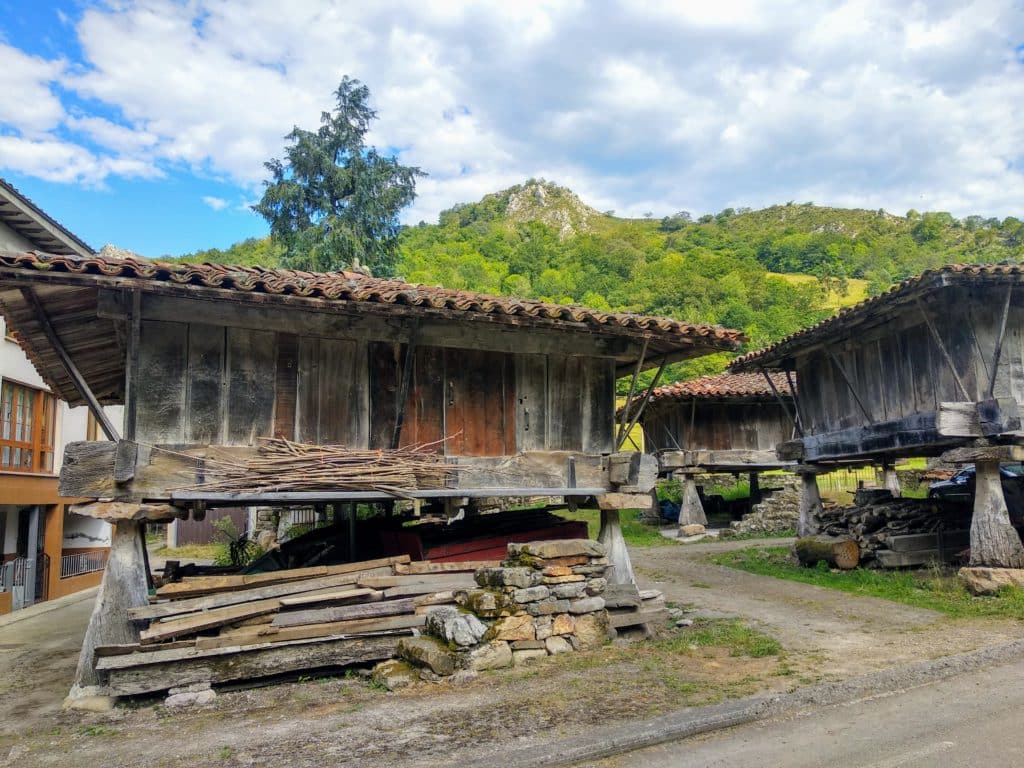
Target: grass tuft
point(935, 588)
point(731, 634)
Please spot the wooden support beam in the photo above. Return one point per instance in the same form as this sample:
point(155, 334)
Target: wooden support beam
point(810, 505)
point(987, 418)
point(1006, 454)
point(403, 393)
point(644, 402)
point(123, 587)
point(849, 383)
point(994, 541)
point(794, 417)
point(632, 391)
point(620, 568)
point(131, 371)
point(58, 346)
point(990, 389)
point(942, 347)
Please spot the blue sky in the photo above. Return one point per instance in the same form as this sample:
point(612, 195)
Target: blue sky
point(146, 122)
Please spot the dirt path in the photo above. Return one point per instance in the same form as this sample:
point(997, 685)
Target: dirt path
point(345, 722)
point(842, 634)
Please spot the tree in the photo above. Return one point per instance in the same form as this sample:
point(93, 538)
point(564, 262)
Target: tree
point(334, 201)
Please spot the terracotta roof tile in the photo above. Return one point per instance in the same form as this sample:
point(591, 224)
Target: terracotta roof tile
point(723, 385)
point(351, 286)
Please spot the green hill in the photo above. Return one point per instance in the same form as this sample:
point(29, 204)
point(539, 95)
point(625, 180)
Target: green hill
point(538, 240)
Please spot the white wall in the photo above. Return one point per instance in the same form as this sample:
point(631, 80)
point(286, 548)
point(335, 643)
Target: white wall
point(12, 241)
point(10, 528)
point(81, 532)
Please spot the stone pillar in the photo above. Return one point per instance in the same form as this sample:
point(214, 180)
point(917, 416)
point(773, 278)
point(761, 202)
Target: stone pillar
point(691, 512)
point(891, 481)
point(810, 504)
point(994, 541)
point(123, 587)
point(620, 567)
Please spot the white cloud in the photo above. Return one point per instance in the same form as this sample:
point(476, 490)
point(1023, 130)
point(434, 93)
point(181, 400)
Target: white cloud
point(639, 104)
point(217, 203)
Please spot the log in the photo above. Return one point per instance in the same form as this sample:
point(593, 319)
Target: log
point(836, 551)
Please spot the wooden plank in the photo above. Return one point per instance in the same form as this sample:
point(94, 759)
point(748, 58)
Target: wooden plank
point(565, 414)
point(442, 580)
point(334, 595)
point(308, 391)
point(286, 385)
point(915, 542)
point(477, 388)
point(206, 384)
point(103, 651)
point(599, 410)
point(384, 383)
point(344, 396)
point(193, 624)
point(418, 589)
point(251, 366)
point(425, 567)
point(531, 387)
point(146, 674)
point(271, 634)
point(220, 600)
point(344, 613)
point(425, 409)
point(241, 581)
point(160, 391)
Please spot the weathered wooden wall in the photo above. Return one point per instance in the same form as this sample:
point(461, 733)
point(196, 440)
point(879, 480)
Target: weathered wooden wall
point(225, 384)
point(717, 425)
point(897, 369)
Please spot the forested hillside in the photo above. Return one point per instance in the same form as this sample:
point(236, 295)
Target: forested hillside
point(538, 240)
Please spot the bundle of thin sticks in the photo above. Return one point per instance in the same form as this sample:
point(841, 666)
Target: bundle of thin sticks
point(282, 465)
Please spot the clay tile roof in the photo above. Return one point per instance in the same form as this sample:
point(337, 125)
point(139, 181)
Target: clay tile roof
point(723, 385)
point(351, 286)
point(846, 318)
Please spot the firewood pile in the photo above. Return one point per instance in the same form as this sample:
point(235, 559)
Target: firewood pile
point(899, 531)
point(282, 465)
point(212, 629)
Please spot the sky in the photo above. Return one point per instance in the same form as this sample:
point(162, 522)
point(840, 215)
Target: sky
point(147, 123)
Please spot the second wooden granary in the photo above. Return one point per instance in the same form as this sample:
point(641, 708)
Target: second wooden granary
point(933, 367)
point(208, 359)
point(726, 423)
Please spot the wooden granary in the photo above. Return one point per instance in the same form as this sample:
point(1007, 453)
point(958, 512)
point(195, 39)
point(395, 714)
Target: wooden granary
point(726, 423)
point(933, 367)
point(518, 396)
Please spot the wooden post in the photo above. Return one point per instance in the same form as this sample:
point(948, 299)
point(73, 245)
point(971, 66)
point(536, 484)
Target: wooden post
point(755, 488)
point(123, 587)
point(620, 570)
point(692, 511)
point(892, 482)
point(810, 505)
point(994, 541)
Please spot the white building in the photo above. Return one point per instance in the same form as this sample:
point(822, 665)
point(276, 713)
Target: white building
point(45, 552)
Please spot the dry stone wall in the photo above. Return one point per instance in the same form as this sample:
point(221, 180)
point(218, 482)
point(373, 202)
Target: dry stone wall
point(544, 599)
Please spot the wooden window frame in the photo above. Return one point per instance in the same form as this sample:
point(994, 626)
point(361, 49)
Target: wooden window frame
point(41, 408)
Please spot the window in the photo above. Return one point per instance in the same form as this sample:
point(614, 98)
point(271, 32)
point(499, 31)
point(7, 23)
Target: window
point(26, 429)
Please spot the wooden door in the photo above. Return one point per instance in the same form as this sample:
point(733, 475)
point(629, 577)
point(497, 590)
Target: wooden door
point(479, 403)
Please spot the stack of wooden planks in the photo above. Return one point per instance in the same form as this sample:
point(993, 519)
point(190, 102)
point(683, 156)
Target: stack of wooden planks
point(215, 629)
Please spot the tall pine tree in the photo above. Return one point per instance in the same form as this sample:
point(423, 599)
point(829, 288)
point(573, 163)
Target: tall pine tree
point(333, 200)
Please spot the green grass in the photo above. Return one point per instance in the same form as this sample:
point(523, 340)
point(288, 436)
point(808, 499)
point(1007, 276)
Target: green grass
point(856, 290)
point(731, 634)
point(189, 551)
point(635, 533)
point(934, 588)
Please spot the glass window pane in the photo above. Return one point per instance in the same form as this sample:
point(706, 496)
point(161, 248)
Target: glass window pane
point(26, 463)
point(16, 457)
point(5, 456)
